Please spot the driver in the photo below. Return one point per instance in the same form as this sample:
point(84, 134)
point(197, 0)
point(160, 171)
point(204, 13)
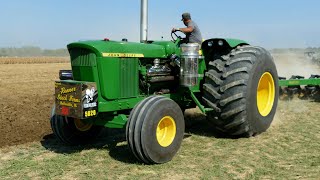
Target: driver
point(192, 31)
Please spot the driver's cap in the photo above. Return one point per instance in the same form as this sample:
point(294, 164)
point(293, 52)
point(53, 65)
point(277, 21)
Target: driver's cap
point(186, 16)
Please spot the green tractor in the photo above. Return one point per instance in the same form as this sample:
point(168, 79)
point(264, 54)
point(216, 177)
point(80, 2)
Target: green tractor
point(145, 87)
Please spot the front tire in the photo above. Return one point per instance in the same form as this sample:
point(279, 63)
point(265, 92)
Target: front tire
point(73, 131)
point(243, 89)
point(155, 130)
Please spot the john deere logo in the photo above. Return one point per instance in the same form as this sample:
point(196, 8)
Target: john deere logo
point(121, 55)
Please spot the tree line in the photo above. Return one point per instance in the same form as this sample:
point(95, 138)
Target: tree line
point(31, 51)
point(296, 50)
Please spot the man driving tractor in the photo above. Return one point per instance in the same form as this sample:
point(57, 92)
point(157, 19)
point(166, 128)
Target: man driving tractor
point(192, 31)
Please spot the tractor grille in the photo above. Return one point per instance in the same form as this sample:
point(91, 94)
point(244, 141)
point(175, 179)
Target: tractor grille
point(128, 77)
point(82, 62)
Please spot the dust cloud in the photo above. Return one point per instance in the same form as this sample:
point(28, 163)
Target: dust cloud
point(291, 63)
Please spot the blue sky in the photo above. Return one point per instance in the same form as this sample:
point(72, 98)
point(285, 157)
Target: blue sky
point(54, 24)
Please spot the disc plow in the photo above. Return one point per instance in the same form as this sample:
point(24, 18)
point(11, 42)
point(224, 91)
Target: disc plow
point(300, 87)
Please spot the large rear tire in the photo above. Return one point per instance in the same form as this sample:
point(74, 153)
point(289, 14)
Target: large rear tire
point(73, 131)
point(155, 130)
point(242, 88)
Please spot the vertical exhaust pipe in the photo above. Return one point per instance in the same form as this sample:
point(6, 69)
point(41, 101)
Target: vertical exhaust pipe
point(144, 21)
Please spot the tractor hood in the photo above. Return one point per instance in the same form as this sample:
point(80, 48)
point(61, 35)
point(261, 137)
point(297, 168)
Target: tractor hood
point(105, 48)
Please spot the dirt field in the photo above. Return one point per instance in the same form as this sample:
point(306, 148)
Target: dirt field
point(26, 94)
point(288, 150)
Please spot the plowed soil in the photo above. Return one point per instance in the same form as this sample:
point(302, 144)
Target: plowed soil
point(26, 95)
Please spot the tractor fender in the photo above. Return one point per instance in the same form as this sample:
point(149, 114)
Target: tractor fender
point(221, 45)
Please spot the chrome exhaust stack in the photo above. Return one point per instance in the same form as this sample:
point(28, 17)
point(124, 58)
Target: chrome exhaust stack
point(144, 21)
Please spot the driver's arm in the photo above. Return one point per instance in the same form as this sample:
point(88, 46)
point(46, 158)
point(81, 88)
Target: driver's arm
point(186, 30)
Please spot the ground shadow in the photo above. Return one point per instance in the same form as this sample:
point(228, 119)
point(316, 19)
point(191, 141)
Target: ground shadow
point(114, 140)
point(198, 124)
point(111, 140)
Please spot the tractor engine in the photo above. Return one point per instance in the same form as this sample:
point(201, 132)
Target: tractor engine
point(165, 75)
point(161, 77)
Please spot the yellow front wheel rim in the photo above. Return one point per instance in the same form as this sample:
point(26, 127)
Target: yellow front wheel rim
point(166, 131)
point(81, 126)
point(265, 94)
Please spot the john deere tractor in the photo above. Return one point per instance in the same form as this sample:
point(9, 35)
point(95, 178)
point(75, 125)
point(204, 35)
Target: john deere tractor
point(145, 87)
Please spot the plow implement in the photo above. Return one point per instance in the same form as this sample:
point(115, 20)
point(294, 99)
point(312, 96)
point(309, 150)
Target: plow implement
point(299, 87)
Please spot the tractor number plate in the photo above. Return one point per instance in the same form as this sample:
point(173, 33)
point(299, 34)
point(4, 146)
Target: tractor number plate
point(77, 100)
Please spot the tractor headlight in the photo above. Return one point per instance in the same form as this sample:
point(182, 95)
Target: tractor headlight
point(220, 43)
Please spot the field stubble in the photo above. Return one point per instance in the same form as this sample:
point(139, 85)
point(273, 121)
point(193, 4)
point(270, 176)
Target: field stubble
point(33, 60)
point(288, 150)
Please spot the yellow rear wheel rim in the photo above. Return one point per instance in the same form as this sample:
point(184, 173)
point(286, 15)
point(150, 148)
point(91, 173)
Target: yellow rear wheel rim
point(166, 131)
point(81, 126)
point(265, 94)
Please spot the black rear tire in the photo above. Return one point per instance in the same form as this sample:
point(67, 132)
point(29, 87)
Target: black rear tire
point(155, 130)
point(73, 131)
point(231, 89)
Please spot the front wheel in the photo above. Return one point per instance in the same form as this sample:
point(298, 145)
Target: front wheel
point(73, 131)
point(155, 130)
point(243, 89)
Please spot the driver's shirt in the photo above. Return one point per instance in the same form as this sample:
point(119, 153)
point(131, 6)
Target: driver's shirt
point(195, 35)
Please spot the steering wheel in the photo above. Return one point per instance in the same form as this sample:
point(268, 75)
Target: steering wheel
point(174, 39)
